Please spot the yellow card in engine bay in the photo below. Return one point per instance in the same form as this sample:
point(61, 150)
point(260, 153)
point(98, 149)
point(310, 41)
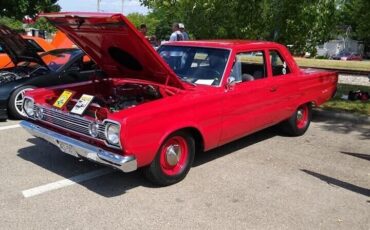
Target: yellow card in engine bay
point(63, 99)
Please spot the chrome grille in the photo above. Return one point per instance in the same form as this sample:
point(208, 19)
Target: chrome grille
point(70, 121)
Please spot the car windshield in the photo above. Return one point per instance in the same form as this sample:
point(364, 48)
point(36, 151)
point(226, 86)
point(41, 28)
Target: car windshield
point(204, 66)
point(58, 58)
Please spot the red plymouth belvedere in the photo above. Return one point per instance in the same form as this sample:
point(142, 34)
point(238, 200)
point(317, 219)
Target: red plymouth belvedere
point(156, 110)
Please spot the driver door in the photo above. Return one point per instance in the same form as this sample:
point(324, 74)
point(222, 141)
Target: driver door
point(245, 103)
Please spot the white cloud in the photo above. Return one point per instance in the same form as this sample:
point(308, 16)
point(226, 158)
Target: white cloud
point(129, 6)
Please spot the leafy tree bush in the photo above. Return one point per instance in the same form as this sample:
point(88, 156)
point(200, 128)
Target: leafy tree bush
point(11, 23)
point(302, 24)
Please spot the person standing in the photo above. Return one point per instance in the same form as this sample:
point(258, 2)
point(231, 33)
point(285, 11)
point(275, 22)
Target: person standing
point(176, 33)
point(185, 34)
point(143, 29)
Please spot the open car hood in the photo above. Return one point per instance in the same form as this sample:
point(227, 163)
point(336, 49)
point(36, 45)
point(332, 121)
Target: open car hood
point(18, 49)
point(115, 45)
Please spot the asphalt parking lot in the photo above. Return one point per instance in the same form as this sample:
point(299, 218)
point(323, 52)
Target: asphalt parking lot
point(265, 181)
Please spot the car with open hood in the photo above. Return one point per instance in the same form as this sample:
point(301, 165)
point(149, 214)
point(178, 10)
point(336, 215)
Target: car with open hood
point(31, 70)
point(60, 41)
point(156, 110)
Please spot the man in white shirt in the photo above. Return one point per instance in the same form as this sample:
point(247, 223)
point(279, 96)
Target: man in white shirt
point(176, 33)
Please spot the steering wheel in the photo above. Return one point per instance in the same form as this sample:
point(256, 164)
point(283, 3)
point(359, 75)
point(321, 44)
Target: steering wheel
point(209, 73)
point(53, 65)
point(213, 73)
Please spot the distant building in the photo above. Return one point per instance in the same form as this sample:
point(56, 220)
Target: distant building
point(334, 47)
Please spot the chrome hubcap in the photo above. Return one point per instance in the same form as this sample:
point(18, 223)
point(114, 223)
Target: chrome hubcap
point(19, 98)
point(299, 114)
point(173, 154)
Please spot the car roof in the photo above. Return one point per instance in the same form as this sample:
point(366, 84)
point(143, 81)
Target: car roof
point(227, 44)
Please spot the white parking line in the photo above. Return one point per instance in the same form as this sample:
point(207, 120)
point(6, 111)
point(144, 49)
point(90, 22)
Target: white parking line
point(9, 127)
point(66, 182)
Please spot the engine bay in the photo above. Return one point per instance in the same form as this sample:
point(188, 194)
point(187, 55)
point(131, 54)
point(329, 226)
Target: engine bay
point(19, 72)
point(97, 100)
point(127, 96)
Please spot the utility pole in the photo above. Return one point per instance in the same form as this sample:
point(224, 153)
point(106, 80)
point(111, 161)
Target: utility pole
point(122, 6)
point(98, 5)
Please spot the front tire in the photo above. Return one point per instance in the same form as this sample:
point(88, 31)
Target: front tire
point(299, 122)
point(173, 160)
point(16, 102)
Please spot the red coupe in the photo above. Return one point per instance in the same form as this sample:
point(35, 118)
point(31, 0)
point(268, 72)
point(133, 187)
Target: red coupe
point(157, 110)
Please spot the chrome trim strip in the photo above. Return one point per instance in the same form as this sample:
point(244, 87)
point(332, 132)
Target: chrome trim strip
point(82, 149)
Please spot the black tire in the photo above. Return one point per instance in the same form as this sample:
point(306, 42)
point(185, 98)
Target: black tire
point(15, 112)
point(298, 123)
point(160, 172)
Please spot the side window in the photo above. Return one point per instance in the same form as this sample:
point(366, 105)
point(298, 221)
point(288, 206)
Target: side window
point(249, 66)
point(83, 64)
point(278, 64)
point(36, 46)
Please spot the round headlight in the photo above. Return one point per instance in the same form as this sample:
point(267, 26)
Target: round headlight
point(28, 107)
point(39, 113)
point(112, 134)
point(94, 129)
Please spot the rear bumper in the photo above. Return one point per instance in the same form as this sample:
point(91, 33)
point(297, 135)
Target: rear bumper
point(78, 148)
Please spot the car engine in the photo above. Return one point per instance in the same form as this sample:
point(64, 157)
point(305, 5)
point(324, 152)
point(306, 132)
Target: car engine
point(19, 72)
point(128, 95)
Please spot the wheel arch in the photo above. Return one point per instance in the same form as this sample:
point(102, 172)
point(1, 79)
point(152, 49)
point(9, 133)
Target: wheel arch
point(191, 130)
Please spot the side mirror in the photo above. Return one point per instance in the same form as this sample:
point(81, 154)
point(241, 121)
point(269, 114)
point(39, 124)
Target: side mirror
point(231, 81)
point(74, 69)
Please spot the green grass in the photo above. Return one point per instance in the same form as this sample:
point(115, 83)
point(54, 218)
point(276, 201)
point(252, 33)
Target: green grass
point(350, 106)
point(333, 64)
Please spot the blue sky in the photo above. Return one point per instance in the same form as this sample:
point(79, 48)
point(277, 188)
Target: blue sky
point(129, 6)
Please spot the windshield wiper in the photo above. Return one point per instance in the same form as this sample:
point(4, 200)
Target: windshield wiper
point(191, 83)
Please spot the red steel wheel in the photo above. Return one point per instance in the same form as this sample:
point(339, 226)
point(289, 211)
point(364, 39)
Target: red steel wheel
point(173, 155)
point(302, 117)
point(299, 122)
point(173, 160)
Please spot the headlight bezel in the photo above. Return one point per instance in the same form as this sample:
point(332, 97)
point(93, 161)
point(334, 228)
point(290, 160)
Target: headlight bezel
point(94, 129)
point(109, 142)
point(29, 99)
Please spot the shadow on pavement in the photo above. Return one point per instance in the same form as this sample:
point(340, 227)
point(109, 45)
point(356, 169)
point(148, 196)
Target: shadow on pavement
point(234, 146)
point(339, 183)
point(358, 155)
point(116, 183)
point(52, 159)
point(343, 126)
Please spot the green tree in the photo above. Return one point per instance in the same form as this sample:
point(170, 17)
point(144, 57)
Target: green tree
point(356, 14)
point(19, 8)
point(300, 23)
point(11, 23)
point(151, 22)
point(42, 24)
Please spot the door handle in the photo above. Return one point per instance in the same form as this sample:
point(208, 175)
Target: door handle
point(273, 89)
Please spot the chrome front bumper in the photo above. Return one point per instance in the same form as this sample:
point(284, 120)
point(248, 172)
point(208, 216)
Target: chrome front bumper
point(78, 148)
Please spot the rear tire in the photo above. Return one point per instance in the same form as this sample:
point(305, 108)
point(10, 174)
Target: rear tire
point(16, 102)
point(299, 122)
point(173, 160)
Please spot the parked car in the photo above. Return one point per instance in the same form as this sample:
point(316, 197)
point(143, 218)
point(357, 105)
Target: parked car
point(31, 70)
point(38, 44)
point(347, 56)
point(157, 110)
